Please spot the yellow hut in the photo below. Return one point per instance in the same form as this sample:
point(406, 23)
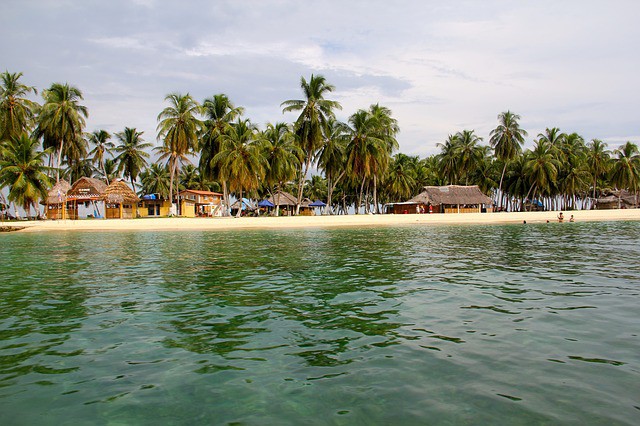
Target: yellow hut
point(152, 205)
point(120, 201)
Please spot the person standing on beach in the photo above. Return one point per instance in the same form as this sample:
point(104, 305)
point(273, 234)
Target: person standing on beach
point(560, 217)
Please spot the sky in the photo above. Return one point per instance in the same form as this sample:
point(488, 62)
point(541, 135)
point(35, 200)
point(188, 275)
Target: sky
point(440, 66)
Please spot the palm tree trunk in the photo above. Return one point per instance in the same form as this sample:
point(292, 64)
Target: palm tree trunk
point(375, 195)
point(104, 172)
point(504, 169)
point(301, 184)
point(240, 204)
point(225, 195)
point(327, 208)
point(527, 196)
point(360, 197)
point(171, 186)
point(59, 161)
point(331, 189)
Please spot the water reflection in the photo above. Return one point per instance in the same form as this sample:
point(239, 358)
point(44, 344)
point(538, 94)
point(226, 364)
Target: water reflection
point(396, 325)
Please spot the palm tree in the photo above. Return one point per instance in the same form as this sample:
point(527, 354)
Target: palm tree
point(17, 113)
point(573, 173)
point(22, 170)
point(188, 177)
point(516, 179)
point(240, 158)
point(315, 112)
point(448, 160)
point(155, 180)
point(507, 140)
point(331, 157)
point(179, 128)
point(316, 188)
point(110, 171)
point(484, 172)
point(282, 156)
point(387, 129)
point(625, 173)
point(100, 139)
point(401, 177)
point(131, 157)
point(61, 120)
point(469, 153)
point(218, 112)
point(541, 168)
point(598, 158)
point(366, 152)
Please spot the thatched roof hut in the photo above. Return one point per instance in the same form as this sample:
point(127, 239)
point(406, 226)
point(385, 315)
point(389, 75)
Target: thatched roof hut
point(616, 199)
point(446, 199)
point(57, 193)
point(119, 192)
point(451, 195)
point(87, 189)
point(283, 199)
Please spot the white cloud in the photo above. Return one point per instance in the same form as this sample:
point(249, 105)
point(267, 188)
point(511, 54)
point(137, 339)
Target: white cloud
point(440, 66)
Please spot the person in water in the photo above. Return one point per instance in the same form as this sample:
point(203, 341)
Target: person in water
point(571, 219)
point(560, 217)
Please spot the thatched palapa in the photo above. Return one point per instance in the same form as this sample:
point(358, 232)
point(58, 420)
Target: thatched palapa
point(87, 189)
point(119, 200)
point(446, 199)
point(283, 199)
point(58, 192)
point(55, 200)
point(287, 202)
point(616, 200)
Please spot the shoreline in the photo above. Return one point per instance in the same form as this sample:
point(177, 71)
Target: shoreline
point(301, 222)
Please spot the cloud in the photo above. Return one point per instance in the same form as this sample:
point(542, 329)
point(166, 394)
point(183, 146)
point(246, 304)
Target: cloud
point(440, 66)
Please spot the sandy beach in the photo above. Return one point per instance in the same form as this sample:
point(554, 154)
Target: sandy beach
point(173, 224)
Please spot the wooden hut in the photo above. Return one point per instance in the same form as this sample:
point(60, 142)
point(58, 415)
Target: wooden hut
point(119, 200)
point(56, 199)
point(446, 199)
point(622, 199)
point(85, 191)
point(287, 204)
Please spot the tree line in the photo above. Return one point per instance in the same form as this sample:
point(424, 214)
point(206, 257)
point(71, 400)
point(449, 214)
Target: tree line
point(210, 145)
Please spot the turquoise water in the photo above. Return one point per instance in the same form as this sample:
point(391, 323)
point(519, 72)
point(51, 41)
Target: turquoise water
point(518, 324)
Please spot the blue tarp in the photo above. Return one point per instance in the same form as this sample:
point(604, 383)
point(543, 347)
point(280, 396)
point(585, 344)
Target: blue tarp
point(317, 203)
point(266, 203)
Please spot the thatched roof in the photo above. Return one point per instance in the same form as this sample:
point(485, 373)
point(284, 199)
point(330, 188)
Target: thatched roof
point(451, 194)
point(57, 193)
point(119, 192)
point(282, 198)
point(87, 188)
point(611, 197)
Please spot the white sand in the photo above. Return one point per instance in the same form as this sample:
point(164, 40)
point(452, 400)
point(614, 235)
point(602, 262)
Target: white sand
point(159, 224)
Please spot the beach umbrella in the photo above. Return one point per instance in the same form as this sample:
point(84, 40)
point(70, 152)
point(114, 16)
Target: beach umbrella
point(266, 203)
point(317, 203)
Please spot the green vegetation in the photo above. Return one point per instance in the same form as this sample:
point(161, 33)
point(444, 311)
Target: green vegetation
point(211, 146)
